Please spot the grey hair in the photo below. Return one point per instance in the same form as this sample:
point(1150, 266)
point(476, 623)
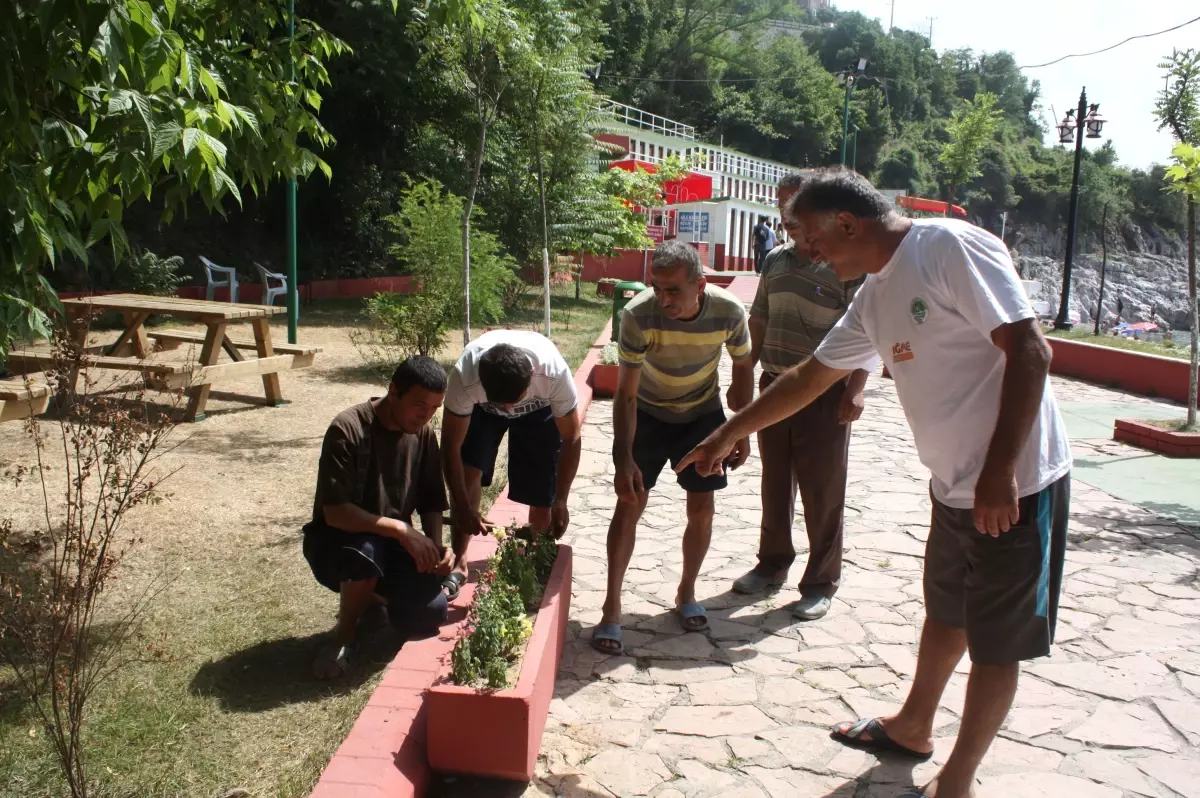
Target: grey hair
point(792, 181)
point(676, 254)
point(839, 190)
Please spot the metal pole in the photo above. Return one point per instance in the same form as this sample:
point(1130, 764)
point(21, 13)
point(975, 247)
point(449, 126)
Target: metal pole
point(1103, 267)
point(1063, 322)
point(892, 20)
point(846, 116)
point(293, 294)
point(854, 153)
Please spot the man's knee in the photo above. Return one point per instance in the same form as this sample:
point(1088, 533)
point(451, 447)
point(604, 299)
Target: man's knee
point(416, 618)
point(700, 508)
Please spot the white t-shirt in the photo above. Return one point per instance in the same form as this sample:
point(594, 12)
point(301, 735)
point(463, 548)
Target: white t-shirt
point(552, 384)
point(929, 314)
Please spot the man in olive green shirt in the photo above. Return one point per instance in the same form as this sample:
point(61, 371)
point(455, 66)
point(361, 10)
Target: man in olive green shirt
point(797, 303)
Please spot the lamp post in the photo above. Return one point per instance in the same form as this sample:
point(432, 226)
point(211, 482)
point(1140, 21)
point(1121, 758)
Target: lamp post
point(854, 150)
point(1072, 126)
point(849, 77)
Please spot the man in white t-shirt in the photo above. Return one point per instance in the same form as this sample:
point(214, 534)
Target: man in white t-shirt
point(945, 309)
point(515, 382)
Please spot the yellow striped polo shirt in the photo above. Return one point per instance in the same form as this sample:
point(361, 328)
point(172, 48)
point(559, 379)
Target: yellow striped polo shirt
point(679, 359)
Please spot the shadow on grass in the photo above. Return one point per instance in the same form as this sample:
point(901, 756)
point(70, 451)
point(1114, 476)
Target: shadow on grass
point(276, 673)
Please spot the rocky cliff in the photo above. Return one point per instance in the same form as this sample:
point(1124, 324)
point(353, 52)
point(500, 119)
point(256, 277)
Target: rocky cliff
point(1151, 287)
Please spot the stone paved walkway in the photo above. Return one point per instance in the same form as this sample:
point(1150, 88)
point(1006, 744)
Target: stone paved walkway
point(743, 712)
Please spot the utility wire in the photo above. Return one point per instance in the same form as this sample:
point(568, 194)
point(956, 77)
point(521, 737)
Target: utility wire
point(1113, 47)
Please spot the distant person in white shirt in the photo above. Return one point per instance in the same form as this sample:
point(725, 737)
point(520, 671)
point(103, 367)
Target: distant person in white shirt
point(515, 382)
point(944, 307)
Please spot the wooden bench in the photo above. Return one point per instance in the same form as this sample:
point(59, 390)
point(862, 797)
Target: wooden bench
point(27, 360)
point(173, 339)
point(20, 398)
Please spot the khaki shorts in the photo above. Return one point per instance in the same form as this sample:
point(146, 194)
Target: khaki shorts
point(1004, 590)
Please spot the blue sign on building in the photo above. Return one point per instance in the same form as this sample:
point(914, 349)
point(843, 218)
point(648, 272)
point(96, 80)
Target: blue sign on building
point(693, 221)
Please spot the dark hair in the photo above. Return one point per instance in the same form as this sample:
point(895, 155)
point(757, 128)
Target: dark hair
point(792, 181)
point(421, 372)
point(674, 254)
point(839, 190)
point(505, 372)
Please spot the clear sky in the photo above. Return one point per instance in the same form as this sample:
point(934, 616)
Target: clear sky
point(1125, 81)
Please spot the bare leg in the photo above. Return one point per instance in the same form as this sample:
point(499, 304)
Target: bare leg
point(622, 533)
point(696, 538)
point(539, 518)
point(355, 598)
point(990, 693)
point(941, 649)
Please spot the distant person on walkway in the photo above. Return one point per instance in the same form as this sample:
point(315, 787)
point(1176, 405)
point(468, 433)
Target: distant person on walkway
point(762, 240)
point(668, 400)
point(379, 465)
point(514, 382)
point(945, 309)
point(797, 304)
point(772, 238)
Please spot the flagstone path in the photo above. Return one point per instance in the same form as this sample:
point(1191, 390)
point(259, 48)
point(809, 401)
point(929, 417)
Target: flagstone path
point(744, 711)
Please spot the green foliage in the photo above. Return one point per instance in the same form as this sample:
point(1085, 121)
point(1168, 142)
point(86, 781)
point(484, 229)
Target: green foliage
point(499, 620)
point(1184, 175)
point(1178, 104)
point(608, 355)
point(429, 246)
point(143, 272)
point(111, 101)
point(970, 129)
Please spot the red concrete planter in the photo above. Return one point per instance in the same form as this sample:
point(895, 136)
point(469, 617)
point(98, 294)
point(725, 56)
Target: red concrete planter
point(1148, 436)
point(605, 289)
point(604, 379)
point(497, 733)
point(1149, 375)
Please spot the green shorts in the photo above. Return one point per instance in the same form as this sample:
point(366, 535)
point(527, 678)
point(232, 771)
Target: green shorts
point(1003, 591)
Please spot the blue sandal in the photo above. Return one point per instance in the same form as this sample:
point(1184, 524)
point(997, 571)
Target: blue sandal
point(693, 617)
point(611, 632)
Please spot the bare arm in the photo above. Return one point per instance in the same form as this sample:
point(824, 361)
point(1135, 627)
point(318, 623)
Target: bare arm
point(629, 478)
point(852, 404)
point(1027, 362)
point(741, 392)
point(758, 334)
point(796, 389)
point(454, 432)
point(570, 428)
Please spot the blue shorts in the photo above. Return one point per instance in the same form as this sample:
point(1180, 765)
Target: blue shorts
point(533, 446)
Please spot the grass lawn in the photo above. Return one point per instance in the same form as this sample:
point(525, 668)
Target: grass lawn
point(1178, 351)
point(233, 703)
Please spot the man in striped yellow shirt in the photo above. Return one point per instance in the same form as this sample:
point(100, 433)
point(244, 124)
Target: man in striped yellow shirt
point(668, 400)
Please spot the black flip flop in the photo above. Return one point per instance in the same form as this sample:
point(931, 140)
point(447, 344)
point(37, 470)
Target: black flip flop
point(879, 742)
point(452, 584)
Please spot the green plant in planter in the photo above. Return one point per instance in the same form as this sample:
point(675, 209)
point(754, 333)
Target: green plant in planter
point(499, 622)
point(608, 355)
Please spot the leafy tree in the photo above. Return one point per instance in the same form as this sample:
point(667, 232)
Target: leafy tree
point(430, 245)
point(109, 101)
point(970, 130)
point(1178, 109)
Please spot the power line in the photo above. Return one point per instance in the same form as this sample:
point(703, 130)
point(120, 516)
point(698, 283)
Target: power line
point(1115, 46)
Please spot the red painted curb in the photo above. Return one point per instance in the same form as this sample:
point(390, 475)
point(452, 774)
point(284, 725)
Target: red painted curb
point(1148, 436)
point(384, 755)
point(504, 734)
point(1149, 375)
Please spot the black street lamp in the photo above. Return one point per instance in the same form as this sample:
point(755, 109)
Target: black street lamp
point(1072, 126)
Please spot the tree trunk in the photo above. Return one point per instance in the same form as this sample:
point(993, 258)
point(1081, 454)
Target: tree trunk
point(1195, 313)
point(466, 229)
point(537, 143)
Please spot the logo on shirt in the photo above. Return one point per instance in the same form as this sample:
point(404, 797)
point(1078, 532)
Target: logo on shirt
point(902, 351)
point(918, 309)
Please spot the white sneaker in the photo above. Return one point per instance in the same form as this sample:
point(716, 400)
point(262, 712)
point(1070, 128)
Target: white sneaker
point(810, 608)
point(754, 581)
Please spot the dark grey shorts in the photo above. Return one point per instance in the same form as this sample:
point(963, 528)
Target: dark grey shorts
point(1004, 590)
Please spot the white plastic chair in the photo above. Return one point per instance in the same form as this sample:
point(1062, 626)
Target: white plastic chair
point(229, 282)
point(271, 291)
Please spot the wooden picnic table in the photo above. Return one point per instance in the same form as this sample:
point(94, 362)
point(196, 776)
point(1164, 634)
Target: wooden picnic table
point(132, 350)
